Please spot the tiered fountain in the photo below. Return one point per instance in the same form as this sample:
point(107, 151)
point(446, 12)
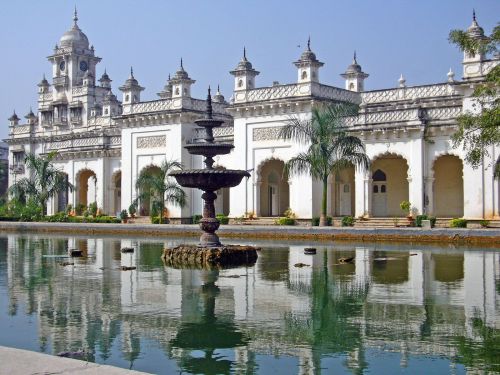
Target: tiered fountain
point(209, 251)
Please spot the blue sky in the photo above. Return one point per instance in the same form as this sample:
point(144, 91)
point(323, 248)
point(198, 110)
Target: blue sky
point(391, 37)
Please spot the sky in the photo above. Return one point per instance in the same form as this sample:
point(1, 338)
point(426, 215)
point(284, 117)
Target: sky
point(391, 37)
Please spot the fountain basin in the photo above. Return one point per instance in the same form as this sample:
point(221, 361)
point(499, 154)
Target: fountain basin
point(209, 179)
point(209, 149)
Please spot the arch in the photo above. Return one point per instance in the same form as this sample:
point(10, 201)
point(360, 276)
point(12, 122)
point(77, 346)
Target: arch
point(273, 188)
point(304, 74)
point(343, 192)
point(86, 187)
point(61, 201)
point(145, 204)
point(390, 185)
point(116, 187)
point(448, 186)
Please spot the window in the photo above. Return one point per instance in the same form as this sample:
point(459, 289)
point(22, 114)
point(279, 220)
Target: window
point(127, 97)
point(379, 176)
point(382, 189)
point(18, 158)
point(346, 188)
point(375, 188)
point(304, 75)
point(351, 86)
point(240, 83)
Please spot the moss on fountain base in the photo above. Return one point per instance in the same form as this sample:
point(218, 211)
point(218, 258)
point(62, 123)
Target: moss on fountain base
point(224, 256)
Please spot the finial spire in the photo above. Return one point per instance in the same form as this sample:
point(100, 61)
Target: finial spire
point(209, 104)
point(244, 53)
point(75, 16)
point(473, 15)
point(131, 72)
point(182, 66)
point(218, 89)
point(354, 60)
point(309, 43)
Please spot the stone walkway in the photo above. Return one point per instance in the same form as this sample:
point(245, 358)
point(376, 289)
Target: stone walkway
point(23, 362)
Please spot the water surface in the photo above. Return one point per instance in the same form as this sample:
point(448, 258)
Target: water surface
point(394, 309)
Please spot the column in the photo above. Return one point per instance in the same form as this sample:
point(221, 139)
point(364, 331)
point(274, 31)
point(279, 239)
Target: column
point(429, 196)
point(359, 188)
point(256, 190)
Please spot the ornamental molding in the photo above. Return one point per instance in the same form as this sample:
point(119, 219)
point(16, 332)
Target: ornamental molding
point(266, 134)
point(156, 141)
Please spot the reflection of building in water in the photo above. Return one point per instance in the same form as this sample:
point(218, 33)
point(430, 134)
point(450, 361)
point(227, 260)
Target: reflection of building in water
point(406, 300)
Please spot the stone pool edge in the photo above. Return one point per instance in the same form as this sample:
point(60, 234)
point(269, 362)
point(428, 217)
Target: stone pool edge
point(484, 237)
point(19, 362)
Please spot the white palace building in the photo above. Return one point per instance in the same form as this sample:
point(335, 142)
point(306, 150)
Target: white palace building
point(104, 143)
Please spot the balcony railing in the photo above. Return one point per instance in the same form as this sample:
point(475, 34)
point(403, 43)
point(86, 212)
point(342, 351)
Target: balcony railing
point(60, 81)
point(61, 121)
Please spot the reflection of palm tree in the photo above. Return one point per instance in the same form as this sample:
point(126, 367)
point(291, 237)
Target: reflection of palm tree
point(334, 308)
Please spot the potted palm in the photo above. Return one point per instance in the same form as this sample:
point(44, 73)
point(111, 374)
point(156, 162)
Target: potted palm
point(124, 216)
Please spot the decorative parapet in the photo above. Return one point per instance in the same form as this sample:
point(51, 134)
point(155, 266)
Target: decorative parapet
point(79, 90)
point(20, 129)
point(174, 104)
point(83, 143)
point(45, 97)
point(296, 91)
point(408, 93)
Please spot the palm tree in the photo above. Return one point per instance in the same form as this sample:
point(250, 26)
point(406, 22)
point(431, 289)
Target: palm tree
point(331, 147)
point(159, 188)
point(45, 180)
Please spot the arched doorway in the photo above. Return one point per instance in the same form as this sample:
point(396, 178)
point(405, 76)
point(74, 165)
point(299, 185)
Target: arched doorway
point(116, 181)
point(448, 186)
point(86, 186)
point(389, 185)
point(62, 198)
point(343, 192)
point(274, 190)
point(145, 204)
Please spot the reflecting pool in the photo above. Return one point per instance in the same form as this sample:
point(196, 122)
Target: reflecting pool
point(395, 308)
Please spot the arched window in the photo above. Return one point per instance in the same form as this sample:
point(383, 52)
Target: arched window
point(351, 86)
point(127, 97)
point(378, 175)
point(176, 91)
point(304, 75)
point(240, 83)
point(382, 189)
point(375, 188)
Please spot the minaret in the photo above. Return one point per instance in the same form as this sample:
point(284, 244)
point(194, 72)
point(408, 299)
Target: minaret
point(167, 90)
point(105, 81)
point(472, 61)
point(43, 86)
point(110, 105)
point(14, 119)
point(181, 83)
point(244, 74)
point(308, 66)
point(218, 97)
point(354, 76)
point(31, 117)
point(131, 91)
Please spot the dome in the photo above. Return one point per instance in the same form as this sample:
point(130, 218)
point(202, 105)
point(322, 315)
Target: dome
point(74, 37)
point(354, 67)
point(474, 30)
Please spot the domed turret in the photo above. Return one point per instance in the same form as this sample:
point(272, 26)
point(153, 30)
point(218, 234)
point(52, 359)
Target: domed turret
point(354, 76)
point(308, 65)
point(105, 81)
point(475, 31)
point(167, 89)
point(244, 74)
point(43, 86)
point(218, 97)
point(181, 83)
point(131, 89)
point(14, 119)
point(74, 37)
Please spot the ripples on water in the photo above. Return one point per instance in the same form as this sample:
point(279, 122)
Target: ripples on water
point(395, 308)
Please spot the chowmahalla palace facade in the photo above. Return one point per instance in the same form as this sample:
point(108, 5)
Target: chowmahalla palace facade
point(103, 143)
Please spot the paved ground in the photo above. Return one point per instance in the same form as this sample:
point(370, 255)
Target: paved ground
point(23, 362)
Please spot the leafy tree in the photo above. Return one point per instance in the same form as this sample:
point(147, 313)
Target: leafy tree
point(331, 147)
point(45, 181)
point(481, 129)
point(160, 188)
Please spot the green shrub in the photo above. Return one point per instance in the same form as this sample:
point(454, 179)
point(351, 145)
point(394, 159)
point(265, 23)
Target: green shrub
point(93, 209)
point(285, 221)
point(419, 218)
point(156, 220)
point(68, 209)
point(405, 207)
point(348, 221)
point(315, 221)
point(222, 218)
point(484, 223)
point(433, 221)
point(458, 223)
point(80, 207)
point(197, 218)
point(60, 217)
